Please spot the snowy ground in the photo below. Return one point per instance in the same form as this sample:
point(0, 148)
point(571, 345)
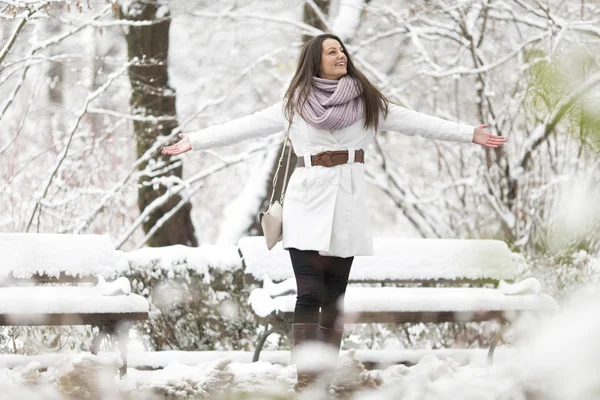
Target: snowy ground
point(556, 359)
point(92, 377)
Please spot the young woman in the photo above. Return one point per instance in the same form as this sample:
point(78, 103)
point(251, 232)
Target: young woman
point(334, 112)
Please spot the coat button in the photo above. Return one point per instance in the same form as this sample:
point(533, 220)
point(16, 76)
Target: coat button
point(334, 182)
point(336, 146)
point(319, 148)
point(319, 182)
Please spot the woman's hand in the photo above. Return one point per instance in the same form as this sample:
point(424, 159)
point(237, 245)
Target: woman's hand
point(486, 139)
point(180, 147)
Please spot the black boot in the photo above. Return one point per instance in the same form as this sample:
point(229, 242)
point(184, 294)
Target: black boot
point(301, 333)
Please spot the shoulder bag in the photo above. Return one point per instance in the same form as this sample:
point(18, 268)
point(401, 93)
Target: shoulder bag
point(271, 220)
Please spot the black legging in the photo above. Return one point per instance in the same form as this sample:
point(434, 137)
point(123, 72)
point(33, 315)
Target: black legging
point(321, 280)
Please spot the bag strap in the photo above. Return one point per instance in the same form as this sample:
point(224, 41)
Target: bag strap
point(287, 168)
point(285, 142)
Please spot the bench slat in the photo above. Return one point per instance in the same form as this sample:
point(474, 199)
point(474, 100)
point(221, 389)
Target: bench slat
point(364, 300)
point(389, 317)
point(69, 319)
point(37, 279)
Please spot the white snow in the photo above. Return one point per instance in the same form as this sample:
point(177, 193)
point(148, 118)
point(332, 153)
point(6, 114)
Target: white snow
point(120, 286)
point(262, 303)
point(399, 259)
point(348, 18)
point(160, 359)
point(411, 299)
point(278, 289)
point(23, 301)
point(88, 376)
point(526, 286)
point(27, 254)
point(178, 257)
point(557, 358)
point(162, 11)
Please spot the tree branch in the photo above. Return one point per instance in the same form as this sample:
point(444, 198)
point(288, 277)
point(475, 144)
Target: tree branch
point(63, 154)
point(543, 131)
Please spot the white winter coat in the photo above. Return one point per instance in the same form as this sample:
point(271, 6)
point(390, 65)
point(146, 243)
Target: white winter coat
point(325, 208)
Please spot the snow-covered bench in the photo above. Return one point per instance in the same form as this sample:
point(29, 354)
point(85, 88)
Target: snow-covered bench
point(434, 272)
point(56, 279)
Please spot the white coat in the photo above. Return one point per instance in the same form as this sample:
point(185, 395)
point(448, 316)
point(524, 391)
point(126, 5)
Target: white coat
point(325, 208)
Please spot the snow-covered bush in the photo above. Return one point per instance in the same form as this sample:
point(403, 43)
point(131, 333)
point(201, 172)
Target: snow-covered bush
point(198, 301)
point(198, 298)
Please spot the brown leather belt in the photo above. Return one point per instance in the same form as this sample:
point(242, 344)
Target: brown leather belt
point(332, 158)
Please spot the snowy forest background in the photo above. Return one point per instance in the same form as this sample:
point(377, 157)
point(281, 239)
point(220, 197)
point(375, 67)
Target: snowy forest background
point(91, 91)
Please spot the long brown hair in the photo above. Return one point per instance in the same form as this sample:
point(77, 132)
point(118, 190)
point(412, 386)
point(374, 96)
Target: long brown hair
point(308, 66)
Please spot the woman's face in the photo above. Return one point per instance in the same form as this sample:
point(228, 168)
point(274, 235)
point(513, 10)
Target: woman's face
point(333, 60)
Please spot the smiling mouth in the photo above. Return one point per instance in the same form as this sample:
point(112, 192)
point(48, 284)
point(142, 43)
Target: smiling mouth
point(340, 64)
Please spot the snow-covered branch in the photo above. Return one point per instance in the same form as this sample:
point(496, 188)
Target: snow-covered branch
point(348, 19)
point(237, 16)
point(319, 14)
point(107, 24)
point(131, 117)
point(487, 67)
point(133, 171)
point(12, 39)
point(173, 190)
point(63, 154)
point(40, 46)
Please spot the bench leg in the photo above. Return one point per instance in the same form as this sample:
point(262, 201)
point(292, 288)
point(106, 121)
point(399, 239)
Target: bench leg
point(122, 333)
point(102, 333)
point(261, 342)
point(495, 340)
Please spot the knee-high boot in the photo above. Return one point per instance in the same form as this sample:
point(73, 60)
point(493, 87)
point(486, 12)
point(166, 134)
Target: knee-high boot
point(333, 338)
point(301, 333)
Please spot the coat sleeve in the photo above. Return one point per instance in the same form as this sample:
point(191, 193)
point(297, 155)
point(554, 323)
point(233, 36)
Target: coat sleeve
point(260, 124)
point(412, 123)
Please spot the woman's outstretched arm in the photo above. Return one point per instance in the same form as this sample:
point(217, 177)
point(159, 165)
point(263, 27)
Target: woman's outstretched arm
point(412, 123)
point(262, 123)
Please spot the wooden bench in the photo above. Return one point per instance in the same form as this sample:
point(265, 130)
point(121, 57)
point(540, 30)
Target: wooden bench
point(441, 280)
point(52, 279)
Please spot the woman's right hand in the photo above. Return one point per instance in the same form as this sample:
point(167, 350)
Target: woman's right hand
point(184, 145)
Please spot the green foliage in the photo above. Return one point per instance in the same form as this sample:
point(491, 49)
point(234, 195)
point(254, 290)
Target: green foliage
point(552, 78)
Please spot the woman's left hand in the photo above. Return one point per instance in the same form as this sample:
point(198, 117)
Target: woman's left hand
point(486, 139)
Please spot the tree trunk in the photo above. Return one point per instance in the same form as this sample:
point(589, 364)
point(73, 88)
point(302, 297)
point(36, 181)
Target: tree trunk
point(152, 96)
point(311, 18)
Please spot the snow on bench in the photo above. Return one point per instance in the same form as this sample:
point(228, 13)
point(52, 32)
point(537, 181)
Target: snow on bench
point(25, 302)
point(26, 255)
point(363, 300)
point(178, 257)
point(423, 261)
point(398, 260)
point(32, 258)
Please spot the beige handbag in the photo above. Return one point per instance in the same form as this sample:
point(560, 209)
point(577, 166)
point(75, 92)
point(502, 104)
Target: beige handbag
point(271, 220)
